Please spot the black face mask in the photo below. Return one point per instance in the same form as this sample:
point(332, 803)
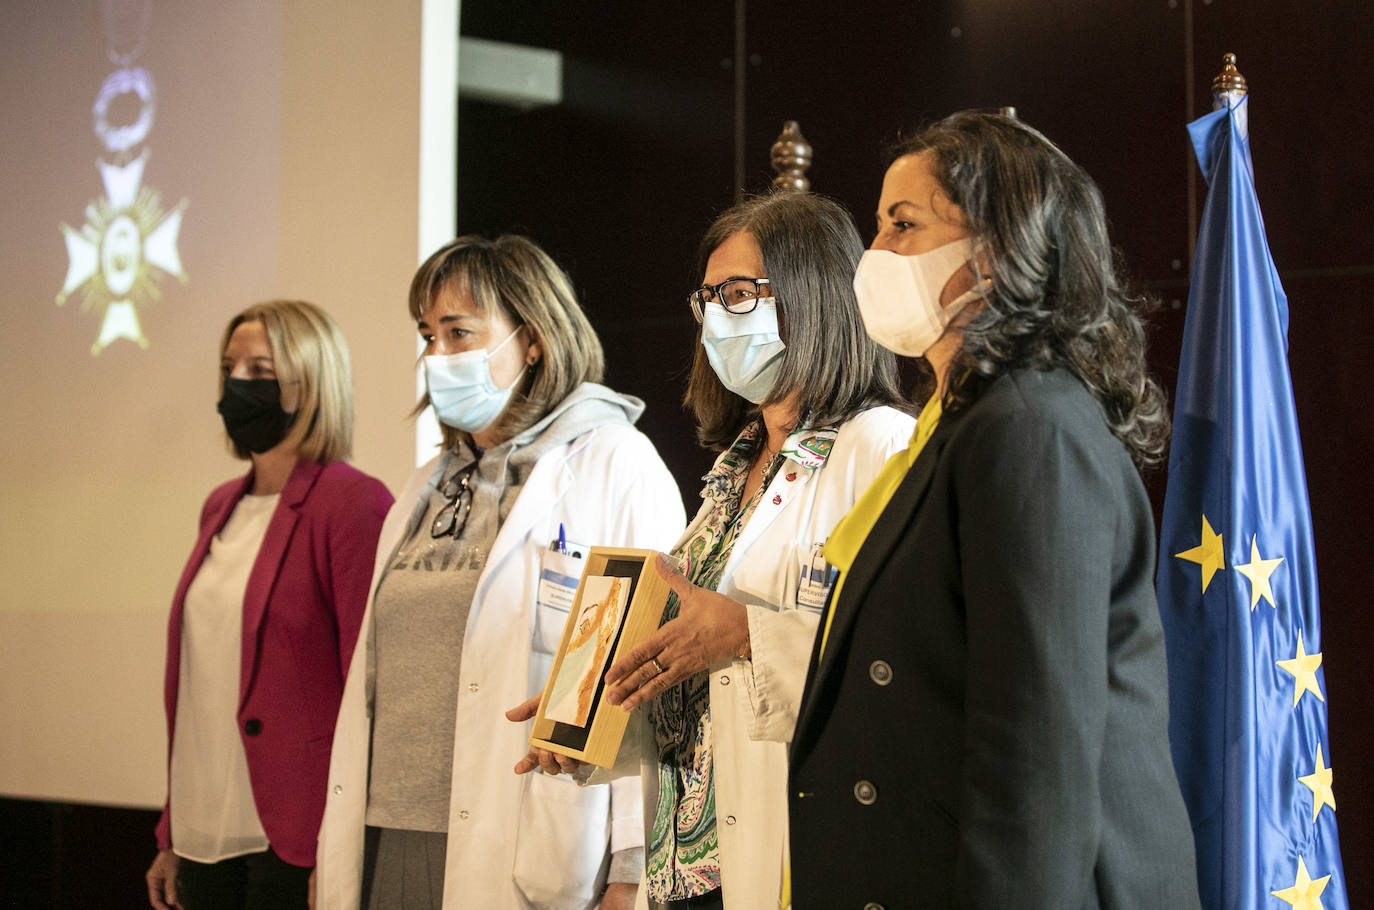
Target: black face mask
point(252, 413)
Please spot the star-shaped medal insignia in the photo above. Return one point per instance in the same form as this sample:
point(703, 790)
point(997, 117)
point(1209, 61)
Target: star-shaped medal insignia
point(1305, 893)
point(1258, 571)
point(1304, 669)
point(1208, 554)
point(1319, 782)
point(116, 257)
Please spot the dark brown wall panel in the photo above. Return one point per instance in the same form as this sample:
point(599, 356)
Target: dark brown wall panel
point(620, 181)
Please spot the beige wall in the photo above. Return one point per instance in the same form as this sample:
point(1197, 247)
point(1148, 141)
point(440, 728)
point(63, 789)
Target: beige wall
point(349, 195)
point(292, 129)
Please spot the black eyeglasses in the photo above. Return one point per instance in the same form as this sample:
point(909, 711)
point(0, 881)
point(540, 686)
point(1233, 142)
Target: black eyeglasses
point(453, 517)
point(738, 295)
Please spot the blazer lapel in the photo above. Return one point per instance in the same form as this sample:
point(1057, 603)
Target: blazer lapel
point(210, 526)
point(418, 494)
point(872, 557)
point(268, 565)
point(545, 487)
point(805, 453)
point(780, 496)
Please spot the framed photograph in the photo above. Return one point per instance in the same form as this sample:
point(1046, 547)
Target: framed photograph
point(619, 603)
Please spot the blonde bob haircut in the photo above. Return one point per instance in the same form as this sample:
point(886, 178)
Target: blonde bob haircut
point(512, 274)
point(308, 352)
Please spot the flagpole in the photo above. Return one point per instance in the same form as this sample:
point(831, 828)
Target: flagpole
point(1237, 581)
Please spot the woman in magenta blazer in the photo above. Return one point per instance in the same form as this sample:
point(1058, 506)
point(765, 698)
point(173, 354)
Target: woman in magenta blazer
point(264, 621)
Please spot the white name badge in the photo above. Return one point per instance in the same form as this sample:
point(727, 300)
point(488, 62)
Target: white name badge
point(559, 574)
point(817, 578)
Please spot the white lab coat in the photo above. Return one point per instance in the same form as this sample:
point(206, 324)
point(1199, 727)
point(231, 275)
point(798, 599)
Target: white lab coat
point(526, 841)
point(754, 702)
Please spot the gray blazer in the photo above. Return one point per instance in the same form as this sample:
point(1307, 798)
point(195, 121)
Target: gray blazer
point(987, 726)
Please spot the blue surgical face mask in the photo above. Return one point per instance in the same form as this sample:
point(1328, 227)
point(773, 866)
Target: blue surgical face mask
point(462, 391)
point(745, 351)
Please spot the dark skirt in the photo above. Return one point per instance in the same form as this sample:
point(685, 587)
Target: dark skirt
point(403, 870)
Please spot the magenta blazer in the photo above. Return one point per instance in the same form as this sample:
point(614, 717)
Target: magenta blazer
point(301, 614)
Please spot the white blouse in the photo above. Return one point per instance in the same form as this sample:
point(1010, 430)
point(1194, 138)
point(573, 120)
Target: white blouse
point(213, 814)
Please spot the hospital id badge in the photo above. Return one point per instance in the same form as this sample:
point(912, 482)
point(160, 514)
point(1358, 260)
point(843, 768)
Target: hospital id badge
point(817, 578)
point(559, 574)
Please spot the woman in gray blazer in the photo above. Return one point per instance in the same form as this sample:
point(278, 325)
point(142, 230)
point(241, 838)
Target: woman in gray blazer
point(985, 720)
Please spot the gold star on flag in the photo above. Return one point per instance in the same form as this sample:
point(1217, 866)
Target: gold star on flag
point(1304, 669)
point(1208, 554)
point(1320, 783)
point(1305, 893)
point(1258, 571)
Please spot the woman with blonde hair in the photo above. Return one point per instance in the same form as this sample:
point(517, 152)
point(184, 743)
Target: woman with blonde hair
point(470, 597)
point(264, 621)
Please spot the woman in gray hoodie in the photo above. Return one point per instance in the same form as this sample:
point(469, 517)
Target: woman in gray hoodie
point(469, 600)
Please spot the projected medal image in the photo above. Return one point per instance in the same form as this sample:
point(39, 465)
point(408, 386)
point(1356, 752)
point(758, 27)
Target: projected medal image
point(603, 608)
point(116, 259)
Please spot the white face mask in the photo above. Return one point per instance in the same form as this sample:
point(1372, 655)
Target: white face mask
point(899, 296)
point(462, 391)
point(745, 351)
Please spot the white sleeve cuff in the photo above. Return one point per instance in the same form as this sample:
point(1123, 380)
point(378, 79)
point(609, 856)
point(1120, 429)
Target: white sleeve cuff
point(627, 814)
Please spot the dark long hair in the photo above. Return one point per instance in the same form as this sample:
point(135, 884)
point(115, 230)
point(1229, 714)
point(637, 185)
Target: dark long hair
point(810, 250)
point(1056, 299)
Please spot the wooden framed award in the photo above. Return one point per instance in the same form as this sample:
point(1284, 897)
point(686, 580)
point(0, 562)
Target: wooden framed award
point(619, 603)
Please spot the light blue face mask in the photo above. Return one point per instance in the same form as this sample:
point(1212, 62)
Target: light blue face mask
point(745, 351)
point(462, 391)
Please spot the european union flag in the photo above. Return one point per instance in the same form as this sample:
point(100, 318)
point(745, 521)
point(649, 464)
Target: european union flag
point(1237, 575)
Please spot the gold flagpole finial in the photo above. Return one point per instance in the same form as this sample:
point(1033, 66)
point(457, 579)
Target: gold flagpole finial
point(1229, 83)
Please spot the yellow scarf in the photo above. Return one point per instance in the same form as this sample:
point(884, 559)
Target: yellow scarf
point(849, 534)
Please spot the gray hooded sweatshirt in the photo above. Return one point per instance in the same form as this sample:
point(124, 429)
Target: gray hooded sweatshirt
point(421, 612)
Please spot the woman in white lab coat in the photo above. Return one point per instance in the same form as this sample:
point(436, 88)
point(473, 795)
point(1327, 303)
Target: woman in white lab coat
point(786, 382)
point(422, 808)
